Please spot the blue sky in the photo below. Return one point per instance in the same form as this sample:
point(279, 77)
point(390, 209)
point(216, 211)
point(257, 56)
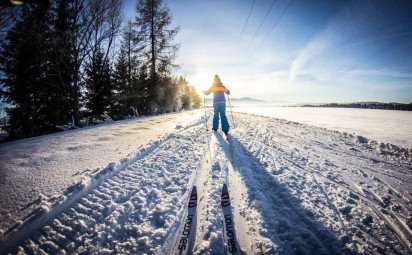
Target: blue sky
point(319, 51)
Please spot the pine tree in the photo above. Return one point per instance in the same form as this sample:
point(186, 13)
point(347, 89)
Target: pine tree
point(120, 82)
point(23, 66)
point(8, 16)
point(190, 98)
point(99, 85)
point(197, 101)
point(62, 65)
point(130, 75)
point(153, 21)
point(186, 95)
point(172, 95)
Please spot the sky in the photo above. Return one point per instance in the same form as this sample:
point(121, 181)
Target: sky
point(316, 52)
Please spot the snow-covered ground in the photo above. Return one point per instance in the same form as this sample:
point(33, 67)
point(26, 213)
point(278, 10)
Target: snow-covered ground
point(295, 188)
point(380, 125)
point(45, 166)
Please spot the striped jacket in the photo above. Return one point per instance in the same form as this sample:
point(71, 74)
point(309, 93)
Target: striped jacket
point(218, 94)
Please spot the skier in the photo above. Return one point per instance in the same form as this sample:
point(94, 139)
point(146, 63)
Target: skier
point(219, 104)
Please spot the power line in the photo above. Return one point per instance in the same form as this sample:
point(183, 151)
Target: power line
point(247, 20)
point(274, 25)
point(257, 31)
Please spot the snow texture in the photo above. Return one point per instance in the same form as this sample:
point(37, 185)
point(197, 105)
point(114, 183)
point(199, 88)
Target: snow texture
point(385, 126)
point(295, 189)
point(49, 164)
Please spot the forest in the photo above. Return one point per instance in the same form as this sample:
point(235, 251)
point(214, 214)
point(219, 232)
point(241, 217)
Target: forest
point(73, 63)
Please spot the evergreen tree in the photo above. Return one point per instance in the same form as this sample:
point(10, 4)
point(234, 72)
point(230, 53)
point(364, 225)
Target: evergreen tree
point(186, 95)
point(153, 21)
point(62, 65)
point(197, 101)
point(172, 95)
point(190, 98)
point(99, 85)
point(120, 82)
point(8, 16)
point(23, 67)
point(130, 75)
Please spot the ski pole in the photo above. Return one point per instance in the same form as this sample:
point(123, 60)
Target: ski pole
point(204, 106)
point(231, 112)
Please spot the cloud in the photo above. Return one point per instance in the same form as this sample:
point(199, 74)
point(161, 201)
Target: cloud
point(312, 50)
point(342, 57)
point(341, 52)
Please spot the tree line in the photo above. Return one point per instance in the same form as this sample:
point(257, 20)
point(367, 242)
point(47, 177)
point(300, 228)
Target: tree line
point(78, 60)
point(367, 105)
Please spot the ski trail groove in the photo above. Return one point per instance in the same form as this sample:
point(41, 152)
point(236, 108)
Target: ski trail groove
point(80, 224)
point(354, 177)
point(199, 179)
point(398, 228)
point(283, 209)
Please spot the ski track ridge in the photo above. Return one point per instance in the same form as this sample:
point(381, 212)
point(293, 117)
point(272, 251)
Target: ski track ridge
point(280, 206)
point(269, 219)
point(396, 222)
point(92, 205)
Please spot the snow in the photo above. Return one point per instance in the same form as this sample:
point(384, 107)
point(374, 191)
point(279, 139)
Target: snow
point(295, 189)
point(386, 126)
point(49, 164)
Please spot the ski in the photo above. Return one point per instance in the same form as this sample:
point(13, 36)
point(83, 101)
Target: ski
point(187, 233)
point(229, 232)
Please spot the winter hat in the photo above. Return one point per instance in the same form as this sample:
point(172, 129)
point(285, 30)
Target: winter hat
point(217, 82)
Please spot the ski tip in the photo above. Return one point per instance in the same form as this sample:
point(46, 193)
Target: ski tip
point(224, 188)
point(225, 199)
point(193, 194)
point(194, 190)
point(193, 198)
point(225, 192)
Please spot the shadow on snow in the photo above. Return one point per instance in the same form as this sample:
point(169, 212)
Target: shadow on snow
point(290, 226)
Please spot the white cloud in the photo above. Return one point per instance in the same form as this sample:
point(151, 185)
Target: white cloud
point(312, 50)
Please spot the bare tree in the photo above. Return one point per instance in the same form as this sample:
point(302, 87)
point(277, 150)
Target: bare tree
point(83, 27)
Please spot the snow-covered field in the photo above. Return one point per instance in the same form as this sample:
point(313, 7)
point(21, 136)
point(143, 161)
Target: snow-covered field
point(295, 188)
point(380, 125)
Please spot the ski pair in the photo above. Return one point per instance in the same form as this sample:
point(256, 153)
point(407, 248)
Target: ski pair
point(187, 233)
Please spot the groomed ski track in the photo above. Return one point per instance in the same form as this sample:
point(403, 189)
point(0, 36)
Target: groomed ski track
point(104, 217)
point(294, 189)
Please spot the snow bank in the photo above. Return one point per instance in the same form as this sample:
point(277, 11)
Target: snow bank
point(382, 148)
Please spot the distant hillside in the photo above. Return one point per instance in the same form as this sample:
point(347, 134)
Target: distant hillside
point(248, 100)
point(366, 105)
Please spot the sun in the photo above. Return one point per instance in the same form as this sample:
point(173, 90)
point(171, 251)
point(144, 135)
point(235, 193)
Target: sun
point(201, 80)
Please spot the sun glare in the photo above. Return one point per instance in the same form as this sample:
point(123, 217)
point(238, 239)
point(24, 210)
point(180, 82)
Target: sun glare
point(201, 80)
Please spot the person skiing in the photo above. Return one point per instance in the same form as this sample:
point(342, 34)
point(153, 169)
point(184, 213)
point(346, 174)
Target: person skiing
point(219, 104)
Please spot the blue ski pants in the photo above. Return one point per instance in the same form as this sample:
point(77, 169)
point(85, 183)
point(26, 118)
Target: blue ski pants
point(220, 109)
